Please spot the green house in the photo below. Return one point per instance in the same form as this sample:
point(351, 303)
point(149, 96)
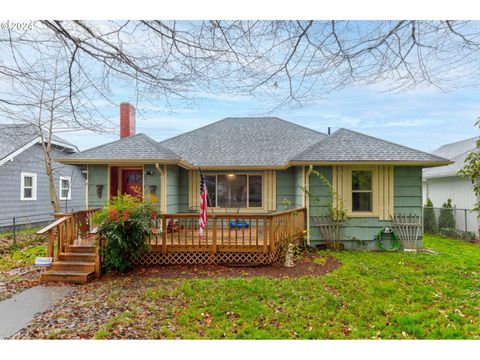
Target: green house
point(258, 166)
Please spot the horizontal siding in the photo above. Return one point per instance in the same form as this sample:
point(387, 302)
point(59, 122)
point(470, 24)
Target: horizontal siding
point(32, 161)
point(97, 175)
point(359, 233)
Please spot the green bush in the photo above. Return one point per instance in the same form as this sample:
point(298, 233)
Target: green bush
point(429, 218)
point(124, 225)
point(458, 234)
point(446, 218)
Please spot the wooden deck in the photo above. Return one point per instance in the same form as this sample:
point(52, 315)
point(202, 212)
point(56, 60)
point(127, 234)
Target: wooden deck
point(175, 238)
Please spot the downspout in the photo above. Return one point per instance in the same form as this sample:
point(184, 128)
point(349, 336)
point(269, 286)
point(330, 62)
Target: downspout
point(307, 200)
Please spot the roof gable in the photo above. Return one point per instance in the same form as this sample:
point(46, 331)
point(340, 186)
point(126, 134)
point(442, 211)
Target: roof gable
point(347, 145)
point(245, 141)
point(14, 139)
point(136, 147)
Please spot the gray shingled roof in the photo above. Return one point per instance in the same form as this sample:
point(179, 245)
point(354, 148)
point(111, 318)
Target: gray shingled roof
point(457, 152)
point(252, 141)
point(14, 137)
point(347, 145)
point(136, 147)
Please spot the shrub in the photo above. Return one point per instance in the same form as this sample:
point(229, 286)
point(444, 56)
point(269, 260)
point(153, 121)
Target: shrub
point(446, 218)
point(458, 234)
point(125, 224)
point(429, 218)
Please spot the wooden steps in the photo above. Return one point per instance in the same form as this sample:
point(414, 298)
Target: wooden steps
point(77, 265)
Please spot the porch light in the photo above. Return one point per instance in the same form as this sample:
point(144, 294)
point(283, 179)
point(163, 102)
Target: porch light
point(99, 191)
point(231, 175)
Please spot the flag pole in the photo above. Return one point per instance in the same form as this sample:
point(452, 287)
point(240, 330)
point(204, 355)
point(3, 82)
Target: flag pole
point(208, 194)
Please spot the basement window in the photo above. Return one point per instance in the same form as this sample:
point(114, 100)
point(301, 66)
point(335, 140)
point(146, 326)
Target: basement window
point(28, 186)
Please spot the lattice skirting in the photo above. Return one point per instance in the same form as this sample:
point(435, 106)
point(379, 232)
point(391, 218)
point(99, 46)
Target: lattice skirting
point(158, 258)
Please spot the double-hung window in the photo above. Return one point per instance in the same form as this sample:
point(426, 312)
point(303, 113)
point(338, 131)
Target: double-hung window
point(362, 191)
point(28, 186)
point(65, 188)
point(234, 190)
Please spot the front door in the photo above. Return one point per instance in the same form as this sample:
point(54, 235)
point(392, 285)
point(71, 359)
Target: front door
point(132, 182)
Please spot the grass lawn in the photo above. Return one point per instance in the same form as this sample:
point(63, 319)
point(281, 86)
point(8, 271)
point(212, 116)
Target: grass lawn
point(372, 295)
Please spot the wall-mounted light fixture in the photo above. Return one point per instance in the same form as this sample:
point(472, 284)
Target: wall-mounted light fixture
point(99, 191)
point(148, 172)
point(152, 188)
point(231, 175)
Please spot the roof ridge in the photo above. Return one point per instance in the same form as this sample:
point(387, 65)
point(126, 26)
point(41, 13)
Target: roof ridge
point(393, 143)
point(158, 145)
point(243, 117)
point(327, 137)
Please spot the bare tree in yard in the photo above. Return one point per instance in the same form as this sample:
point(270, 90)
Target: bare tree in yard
point(43, 99)
point(65, 68)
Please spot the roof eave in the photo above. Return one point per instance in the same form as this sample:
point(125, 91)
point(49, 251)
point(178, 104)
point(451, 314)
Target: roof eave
point(371, 162)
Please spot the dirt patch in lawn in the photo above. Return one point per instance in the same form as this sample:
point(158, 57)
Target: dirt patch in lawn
point(306, 264)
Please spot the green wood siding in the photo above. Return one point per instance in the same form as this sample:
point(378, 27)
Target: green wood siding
point(177, 189)
point(298, 183)
point(97, 175)
point(285, 184)
point(152, 180)
point(407, 199)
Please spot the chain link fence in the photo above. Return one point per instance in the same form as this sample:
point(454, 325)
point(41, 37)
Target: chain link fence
point(11, 226)
point(462, 220)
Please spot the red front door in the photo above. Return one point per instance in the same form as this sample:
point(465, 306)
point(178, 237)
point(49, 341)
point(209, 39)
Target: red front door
point(132, 182)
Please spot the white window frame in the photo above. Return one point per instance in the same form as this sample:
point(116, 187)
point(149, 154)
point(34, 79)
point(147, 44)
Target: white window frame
point(34, 186)
point(69, 197)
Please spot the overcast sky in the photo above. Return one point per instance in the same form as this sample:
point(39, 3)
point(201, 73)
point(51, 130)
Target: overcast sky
point(423, 119)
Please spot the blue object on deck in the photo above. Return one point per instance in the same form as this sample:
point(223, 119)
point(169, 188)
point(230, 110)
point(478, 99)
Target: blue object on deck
point(238, 224)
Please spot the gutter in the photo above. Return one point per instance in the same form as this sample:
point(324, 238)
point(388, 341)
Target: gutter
point(307, 200)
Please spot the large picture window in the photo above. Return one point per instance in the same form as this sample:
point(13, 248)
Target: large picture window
point(234, 190)
point(362, 191)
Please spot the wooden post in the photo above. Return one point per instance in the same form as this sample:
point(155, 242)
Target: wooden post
point(266, 233)
point(164, 234)
point(214, 236)
point(272, 235)
point(50, 244)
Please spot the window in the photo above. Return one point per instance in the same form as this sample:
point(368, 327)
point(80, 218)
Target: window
point(362, 191)
point(65, 188)
point(234, 190)
point(29, 186)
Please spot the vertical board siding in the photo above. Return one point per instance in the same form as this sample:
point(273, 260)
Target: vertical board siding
point(32, 161)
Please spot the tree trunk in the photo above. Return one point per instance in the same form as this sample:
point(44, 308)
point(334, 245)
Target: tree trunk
point(51, 182)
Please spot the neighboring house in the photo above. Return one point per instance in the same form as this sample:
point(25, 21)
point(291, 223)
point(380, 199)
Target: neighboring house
point(24, 193)
point(259, 166)
point(443, 183)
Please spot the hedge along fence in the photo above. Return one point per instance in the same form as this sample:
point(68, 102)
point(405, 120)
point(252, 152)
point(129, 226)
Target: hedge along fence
point(452, 222)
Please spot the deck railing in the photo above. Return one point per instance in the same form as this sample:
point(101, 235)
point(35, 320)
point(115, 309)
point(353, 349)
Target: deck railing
point(67, 228)
point(228, 232)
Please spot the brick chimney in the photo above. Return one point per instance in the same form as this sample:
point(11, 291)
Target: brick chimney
point(127, 120)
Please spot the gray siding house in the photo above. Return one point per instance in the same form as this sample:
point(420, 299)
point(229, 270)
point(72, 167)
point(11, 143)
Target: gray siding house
point(24, 193)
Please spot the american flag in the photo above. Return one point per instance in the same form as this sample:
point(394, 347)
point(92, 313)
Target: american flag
point(202, 223)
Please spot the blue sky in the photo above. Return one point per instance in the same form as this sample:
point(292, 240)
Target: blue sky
point(423, 119)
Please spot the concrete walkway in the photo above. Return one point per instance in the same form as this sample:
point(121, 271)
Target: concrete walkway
point(17, 311)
